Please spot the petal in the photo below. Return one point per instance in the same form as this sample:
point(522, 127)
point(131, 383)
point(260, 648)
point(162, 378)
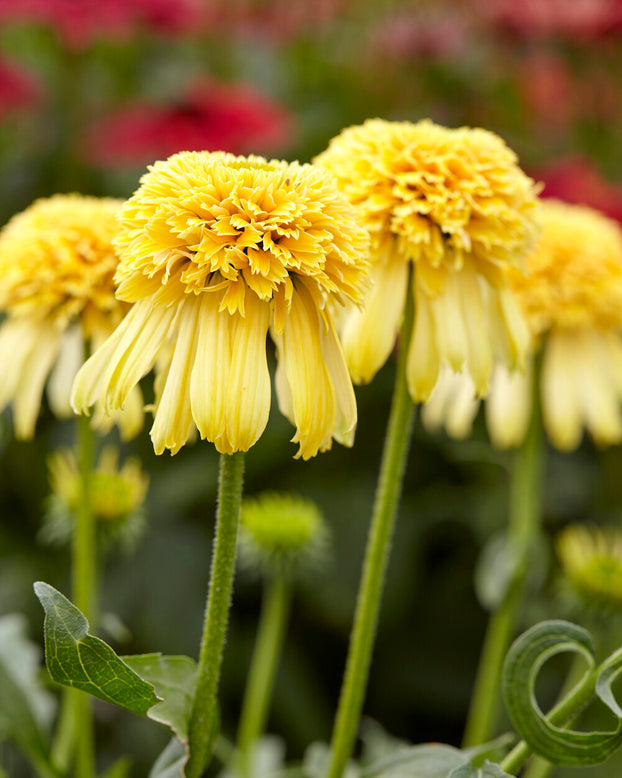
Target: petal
point(561, 405)
point(452, 404)
point(509, 331)
point(18, 339)
point(422, 366)
point(369, 334)
point(477, 330)
point(173, 417)
point(129, 419)
point(136, 351)
point(346, 417)
point(312, 393)
point(249, 392)
point(29, 388)
point(210, 374)
point(70, 360)
point(508, 405)
point(446, 308)
point(597, 390)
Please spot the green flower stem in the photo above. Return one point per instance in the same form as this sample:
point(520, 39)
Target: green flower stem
point(270, 633)
point(524, 523)
point(84, 563)
point(202, 719)
point(561, 715)
point(376, 558)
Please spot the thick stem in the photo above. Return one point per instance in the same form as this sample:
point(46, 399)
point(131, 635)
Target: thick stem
point(524, 522)
point(84, 562)
point(376, 558)
point(264, 664)
point(202, 720)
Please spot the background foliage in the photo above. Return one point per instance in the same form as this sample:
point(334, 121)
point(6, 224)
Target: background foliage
point(89, 94)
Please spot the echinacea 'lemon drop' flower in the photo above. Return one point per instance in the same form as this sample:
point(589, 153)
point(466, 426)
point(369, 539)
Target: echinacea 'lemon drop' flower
point(57, 265)
point(571, 296)
point(455, 204)
point(215, 250)
point(591, 558)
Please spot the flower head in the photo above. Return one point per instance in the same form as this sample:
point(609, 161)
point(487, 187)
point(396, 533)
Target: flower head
point(215, 249)
point(571, 296)
point(282, 533)
point(592, 561)
point(116, 494)
point(455, 204)
point(57, 264)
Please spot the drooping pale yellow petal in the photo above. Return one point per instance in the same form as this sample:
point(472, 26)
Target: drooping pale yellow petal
point(137, 350)
point(452, 404)
point(561, 405)
point(422, 366)
point(173, 417)
point(248, 406)
point(368, 335)
point(597, 390)
point(18, 338)
point(476, 327)
point(312, 393)
point(346, 416)
point(70, 359)
point(509, 405)
point(129, 419)
point(209, 382)
point(446, 308)
point(29, 388)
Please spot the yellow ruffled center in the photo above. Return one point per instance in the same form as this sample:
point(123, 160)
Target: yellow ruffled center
point(57, 261)
point(205, 222)
point(444, 195)
point(574, 277)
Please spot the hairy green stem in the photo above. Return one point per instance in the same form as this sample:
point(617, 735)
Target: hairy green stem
point(204, 709)
point(561, 715)
point(270, 633)
point(524, 523)
point(376, 558)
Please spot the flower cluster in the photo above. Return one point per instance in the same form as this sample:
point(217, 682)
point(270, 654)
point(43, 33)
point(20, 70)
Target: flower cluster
point(57, 264)
point(214, 251)
point(455, 205)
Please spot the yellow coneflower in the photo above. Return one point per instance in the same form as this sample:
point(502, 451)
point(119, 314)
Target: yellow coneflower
point(571, 296)
point(57, 265)
point(591, 558)
point(215, 250)
point(455, 204)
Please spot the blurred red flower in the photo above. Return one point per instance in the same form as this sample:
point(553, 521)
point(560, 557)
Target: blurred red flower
point(209, 116)
point(575, 19)
point(576, 180)
point(79, 22)
point(19, 89)
point(275, 19)
point(437, 33)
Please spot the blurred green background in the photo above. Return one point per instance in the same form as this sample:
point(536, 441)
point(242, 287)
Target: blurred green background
point(90, 93)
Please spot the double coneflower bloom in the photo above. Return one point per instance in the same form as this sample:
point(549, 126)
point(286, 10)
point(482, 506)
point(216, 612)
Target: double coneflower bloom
point(571, 297)
point(215, 250)
point(57, 265)
point(453, 205)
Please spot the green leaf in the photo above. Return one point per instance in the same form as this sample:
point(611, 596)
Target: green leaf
point(171, 762)
point(75, 658)
point(120, 769)
point(424, 761)
point(26, 709)
point(523, 663)
point(491, 770)
point(174, 679)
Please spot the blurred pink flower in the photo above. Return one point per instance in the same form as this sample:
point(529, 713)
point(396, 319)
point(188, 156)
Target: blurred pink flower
point(439, 33)
point(19, 89)
point(575, 19)
point(209, 117)
point(79, 22)
point(276, 19)
point(576, 180)
point(548, 88)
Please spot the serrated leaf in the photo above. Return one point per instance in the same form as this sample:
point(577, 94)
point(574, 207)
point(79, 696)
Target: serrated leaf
point(25, 708)
point(491, 770)
point(75, 658)
point(174, 679)
point(523, 662)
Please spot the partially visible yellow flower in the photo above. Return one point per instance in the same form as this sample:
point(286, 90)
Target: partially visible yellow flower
point(57, 265)
point(455, 204)
point(215, 250)
point(117, 495)
point(592, 561)
point(571, 296)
